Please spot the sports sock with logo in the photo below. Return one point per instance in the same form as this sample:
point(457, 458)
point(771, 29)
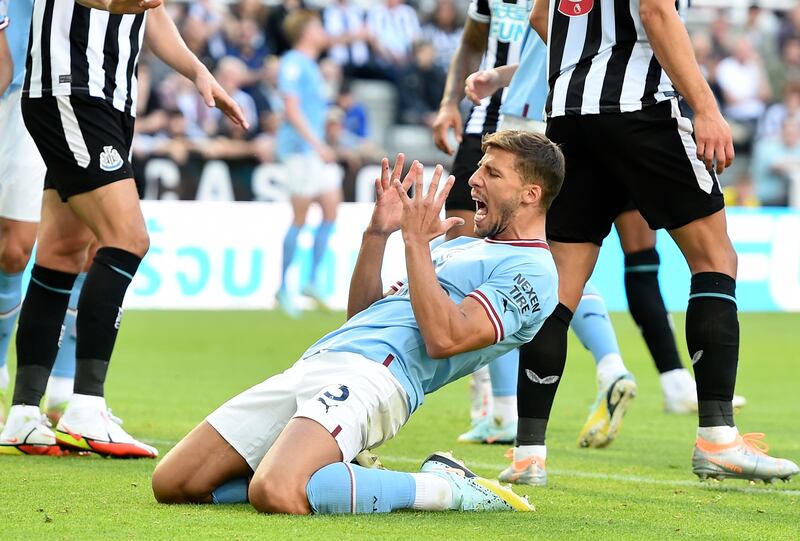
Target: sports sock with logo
point(289, 247)
point(503, 371)
point(65, 360)
point(10, 299)
point(348, 488)
point(648, 310)
point(99, 316)
point(712, 334)
point(40, 320)
point(320, 247)
point(480, 395)
point(541, 365)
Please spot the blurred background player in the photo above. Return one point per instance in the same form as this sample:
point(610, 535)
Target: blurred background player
point(81, 121)
point(302, 147)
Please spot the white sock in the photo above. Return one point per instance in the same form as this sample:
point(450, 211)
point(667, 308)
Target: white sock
point(522, 452)
point(4, 377)
point(676, 382)
point(610, 368)
point(480, 393)
point(504, 410)
point(719, 435)
point(433, 493)
point(59, 390)
point(85, 401)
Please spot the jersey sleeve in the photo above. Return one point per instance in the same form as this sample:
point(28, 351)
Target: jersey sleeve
point(510, 299)
point(290, 77)
point(3, 14)
point(479, 11)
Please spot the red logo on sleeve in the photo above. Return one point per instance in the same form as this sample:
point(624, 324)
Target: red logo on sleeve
point(575, 8)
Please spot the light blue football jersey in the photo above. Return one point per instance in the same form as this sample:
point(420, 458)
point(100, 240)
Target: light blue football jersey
point(300, 76)
point(514, 281)
point(19, 16)
point(527, 93)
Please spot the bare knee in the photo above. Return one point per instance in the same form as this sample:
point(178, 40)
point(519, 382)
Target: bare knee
point(172, 486)
point(136, 241)
point(14, 257)
point(278, 494)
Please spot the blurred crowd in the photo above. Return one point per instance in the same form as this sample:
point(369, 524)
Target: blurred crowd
point(751, 60)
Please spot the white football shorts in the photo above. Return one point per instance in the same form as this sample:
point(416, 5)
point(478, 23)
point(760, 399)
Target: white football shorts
point(357, 400)
point(21, 167)
point(308, 176)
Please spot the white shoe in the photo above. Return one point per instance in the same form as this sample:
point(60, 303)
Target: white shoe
point(88, 425)
point(27, 432)
point(680, 392)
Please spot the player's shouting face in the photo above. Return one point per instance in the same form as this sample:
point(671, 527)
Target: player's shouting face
point(497, 189)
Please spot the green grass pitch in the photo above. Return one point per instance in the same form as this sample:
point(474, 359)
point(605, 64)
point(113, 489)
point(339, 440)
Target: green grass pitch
point(172, 368)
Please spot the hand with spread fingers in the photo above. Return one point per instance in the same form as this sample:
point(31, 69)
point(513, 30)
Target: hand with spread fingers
point(421, 217)
point(388, 209)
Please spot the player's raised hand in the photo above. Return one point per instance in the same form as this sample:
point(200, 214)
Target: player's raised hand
point(481, 84)
point(421, 219)
point(448, 117)
point(714, 140)
point(214, 96)
point(388, 209)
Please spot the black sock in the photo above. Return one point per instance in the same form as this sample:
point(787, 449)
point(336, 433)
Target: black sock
point(99, 316)
point(712, 334)
point(647, 308)
point(541, 365)
point(38, 334)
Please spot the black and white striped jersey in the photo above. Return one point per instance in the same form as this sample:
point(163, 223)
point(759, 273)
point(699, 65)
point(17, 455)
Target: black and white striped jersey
point(77, 50)
point(600, 60)
point(507, 22)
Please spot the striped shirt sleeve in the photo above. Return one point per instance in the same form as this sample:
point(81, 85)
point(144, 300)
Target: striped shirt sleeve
point(479, 11)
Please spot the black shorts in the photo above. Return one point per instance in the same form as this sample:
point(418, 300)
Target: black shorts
point(85, 143)
point(647, 157)
point(465, 164)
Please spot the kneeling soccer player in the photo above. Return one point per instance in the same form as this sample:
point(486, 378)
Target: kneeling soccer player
point(286, 444)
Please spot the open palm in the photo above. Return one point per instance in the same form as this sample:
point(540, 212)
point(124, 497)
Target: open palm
point(388, 211)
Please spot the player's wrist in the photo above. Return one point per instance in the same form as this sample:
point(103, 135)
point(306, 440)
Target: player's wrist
point(374, 233)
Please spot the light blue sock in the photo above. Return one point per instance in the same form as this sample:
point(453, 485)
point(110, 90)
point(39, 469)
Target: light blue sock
point(592, 325)
point(347, 488)
point(233, 491)
point(320, 247)
point(10, 299)
point(289, 247)
point(64, 366)
point(503, 371)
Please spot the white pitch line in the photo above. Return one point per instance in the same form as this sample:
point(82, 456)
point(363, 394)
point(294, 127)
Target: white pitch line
point(622, 478)
point(589, 475)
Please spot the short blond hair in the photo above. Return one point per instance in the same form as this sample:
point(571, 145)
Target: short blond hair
point(296, 23)
point(539, 160)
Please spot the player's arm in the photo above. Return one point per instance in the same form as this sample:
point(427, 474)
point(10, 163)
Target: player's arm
point(119, 7)
point(466, 60)
point(485, 83)
point(294, 115)
point(540, 15)
point(6, 64)
point(673, 49)
point(366, 285)
point(166, 42)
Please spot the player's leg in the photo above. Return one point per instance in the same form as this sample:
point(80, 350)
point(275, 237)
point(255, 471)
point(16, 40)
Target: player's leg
point(694, 215)
point(300, 205)
point(616, 386)
point(62, 243)
point(329, 203)
point(202, 468)
point(62, 378)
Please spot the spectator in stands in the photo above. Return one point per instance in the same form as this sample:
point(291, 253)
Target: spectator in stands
point(232, 74)
point(346, 26)
point(444, 32)
point(301, 145)
point(741, 193)
point(789, 67)
point(423, 83)
point(246, 42)
point(276, 37)
point(744, 84)
point(720, 34)
point(703, 51)
point(253, 10)
point(354, 113)
point(352, 151)
point(266, 96)
point(776, 161)
point(169, 141)
point(776, 114)
point(790, 29)
point(396, 27)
